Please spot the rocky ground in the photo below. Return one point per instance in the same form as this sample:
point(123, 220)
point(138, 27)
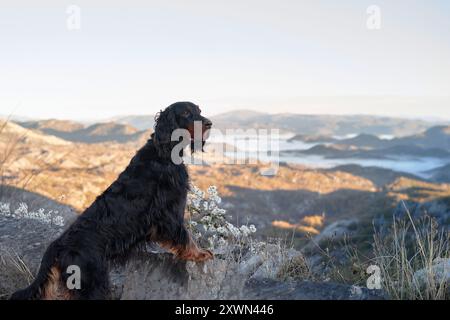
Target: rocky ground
point(235, 273)
point(317, 211)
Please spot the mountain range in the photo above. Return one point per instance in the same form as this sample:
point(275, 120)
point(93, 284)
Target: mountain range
point(432, 143)
point(332, 125)
point(434, 137)
point(137, 127)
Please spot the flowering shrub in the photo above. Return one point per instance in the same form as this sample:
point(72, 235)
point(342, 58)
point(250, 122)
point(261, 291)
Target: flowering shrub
point(208, 219)
point(22, 212)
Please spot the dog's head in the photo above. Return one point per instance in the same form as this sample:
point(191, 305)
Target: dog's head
point(181, 115)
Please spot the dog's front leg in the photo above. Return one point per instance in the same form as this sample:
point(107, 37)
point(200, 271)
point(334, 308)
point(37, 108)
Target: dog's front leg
point(184, 247)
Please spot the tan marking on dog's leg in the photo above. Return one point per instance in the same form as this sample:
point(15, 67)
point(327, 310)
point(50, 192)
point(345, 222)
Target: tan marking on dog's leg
point(54, 289)
point(191, 251)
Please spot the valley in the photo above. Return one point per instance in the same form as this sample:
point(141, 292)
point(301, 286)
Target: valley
point(72, 164)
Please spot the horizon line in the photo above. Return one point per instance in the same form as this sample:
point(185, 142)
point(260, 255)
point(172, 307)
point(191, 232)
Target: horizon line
point(24, 118)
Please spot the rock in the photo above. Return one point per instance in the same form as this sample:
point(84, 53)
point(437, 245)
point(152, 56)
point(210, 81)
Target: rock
point(23, 241)
point(270, 289)
point(439, 272)
point(160, 276)
point(29, 237)
point(272, 258)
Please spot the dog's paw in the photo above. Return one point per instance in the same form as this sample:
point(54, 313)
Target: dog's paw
point(197, 255)
point(204, 255)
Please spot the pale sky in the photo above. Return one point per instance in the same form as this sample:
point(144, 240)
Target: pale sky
point(136, 57)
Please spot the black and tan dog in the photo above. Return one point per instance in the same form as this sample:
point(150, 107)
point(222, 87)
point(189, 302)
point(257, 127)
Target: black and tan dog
point(146, 203)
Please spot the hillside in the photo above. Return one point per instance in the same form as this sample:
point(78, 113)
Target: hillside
point(52, 125)
point(311, 208)
point(437, 137)
point(431, 145)
point(13, 133)
point(95, 133)
point(339, 151)
point(53, 168)
point(327, 125)
point(441, 174)
point(142, 122)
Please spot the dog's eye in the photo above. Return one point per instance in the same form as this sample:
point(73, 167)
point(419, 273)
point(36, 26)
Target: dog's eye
point(185, 113)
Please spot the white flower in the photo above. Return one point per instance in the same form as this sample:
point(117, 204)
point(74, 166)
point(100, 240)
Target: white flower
point(245, 230)
point(206, 219)
point(197, 192)
point(212, 190)
point(211, 205)
point(222, 242)
point(234, 231)
point(215, 198)
point(196, 203)
point(21, 210)
point(222, 230)
point(59, 221)
point(213, 219)
point(218, 211)
point(5, 209)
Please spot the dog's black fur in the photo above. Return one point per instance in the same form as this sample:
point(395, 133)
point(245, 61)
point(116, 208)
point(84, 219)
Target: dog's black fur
point(146, 203)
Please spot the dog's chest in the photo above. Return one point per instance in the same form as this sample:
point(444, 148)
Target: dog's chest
point(174, 179)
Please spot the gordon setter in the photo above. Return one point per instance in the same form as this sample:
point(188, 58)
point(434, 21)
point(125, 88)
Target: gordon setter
point(146, 203)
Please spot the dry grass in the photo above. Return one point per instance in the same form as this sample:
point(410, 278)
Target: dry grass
point(296, 268)
point(408, 247)
point(14, 273)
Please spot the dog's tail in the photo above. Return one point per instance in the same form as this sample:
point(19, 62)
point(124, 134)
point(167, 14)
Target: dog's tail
point(34, 290)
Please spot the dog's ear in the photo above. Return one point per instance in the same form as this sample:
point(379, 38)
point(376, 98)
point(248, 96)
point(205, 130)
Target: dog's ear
point(164, 126)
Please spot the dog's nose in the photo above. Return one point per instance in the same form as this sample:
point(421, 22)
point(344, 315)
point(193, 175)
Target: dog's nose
point(207, 123)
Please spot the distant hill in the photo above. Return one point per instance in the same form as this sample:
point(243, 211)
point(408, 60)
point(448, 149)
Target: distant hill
point(11, 131)
point(141, 122)
point(343, 151)
point(243, 115)
point(441, 174)
point(52, 125)
point(437, 137)
point(321, 125)
point(96, 133)
point(362, 140)
point(310, 128)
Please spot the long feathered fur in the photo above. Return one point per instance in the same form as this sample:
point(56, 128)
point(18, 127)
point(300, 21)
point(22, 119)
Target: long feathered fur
point(146, 202)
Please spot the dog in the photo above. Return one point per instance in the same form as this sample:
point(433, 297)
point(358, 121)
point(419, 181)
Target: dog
point(146, 203)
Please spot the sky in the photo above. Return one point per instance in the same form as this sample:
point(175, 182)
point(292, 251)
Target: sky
point(136, 57)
